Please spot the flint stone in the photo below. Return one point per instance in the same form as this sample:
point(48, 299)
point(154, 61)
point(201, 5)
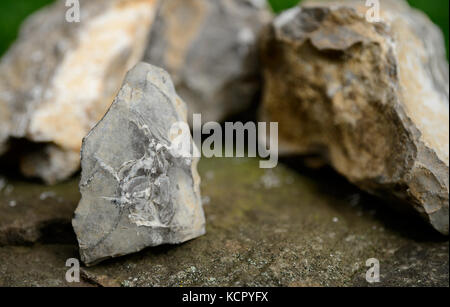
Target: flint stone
point(59, 78)
point(210, 48)
point(31, 212)
point(135, 191)
point(370, 97)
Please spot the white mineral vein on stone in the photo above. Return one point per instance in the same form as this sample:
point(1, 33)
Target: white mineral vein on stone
point(136, 189)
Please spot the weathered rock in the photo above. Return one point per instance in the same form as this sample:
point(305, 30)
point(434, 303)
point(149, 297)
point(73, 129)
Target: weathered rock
point(209, 47)
point(136, 191)
point(372, 98)
point(37, 266)
point(59, 78)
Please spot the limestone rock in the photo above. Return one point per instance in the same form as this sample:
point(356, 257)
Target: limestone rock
point(37, 266)
point(209, 47)
point(136, 191)
point(370, 97)
point(59, 78)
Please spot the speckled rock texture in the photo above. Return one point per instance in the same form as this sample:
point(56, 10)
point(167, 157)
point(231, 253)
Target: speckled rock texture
point(369, 97)
point(137, 191)
point(59, 78)
point(288, 226)
point(210, 48)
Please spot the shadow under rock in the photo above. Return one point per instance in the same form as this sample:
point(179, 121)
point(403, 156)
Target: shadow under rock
point(10, 161)
point(58, 232)
point(395, 216)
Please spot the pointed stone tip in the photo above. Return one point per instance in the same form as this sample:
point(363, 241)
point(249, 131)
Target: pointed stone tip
point(135, 192)
point(143, 73)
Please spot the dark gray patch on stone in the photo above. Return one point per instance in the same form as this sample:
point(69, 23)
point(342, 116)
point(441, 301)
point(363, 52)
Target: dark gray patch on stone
point(130, 173)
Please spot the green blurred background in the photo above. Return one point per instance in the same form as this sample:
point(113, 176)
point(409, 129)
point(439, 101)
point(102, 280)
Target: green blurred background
point(12, 13)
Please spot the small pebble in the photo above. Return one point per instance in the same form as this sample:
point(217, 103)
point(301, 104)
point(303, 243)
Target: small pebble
point(209, 175)
point(46, 195)
point(270, 180)
point(206, 200)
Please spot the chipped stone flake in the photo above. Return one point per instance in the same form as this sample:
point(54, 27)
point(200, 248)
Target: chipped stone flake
point(136, 191)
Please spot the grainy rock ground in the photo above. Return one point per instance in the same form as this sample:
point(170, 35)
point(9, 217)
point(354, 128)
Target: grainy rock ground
point(210, 50)
point(285, 227)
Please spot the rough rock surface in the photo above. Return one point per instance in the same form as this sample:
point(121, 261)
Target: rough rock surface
point(59, 78)
point(267, 228)
point(37, 266)
point(209, 47)
point(136, 190)
point(371, 98)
